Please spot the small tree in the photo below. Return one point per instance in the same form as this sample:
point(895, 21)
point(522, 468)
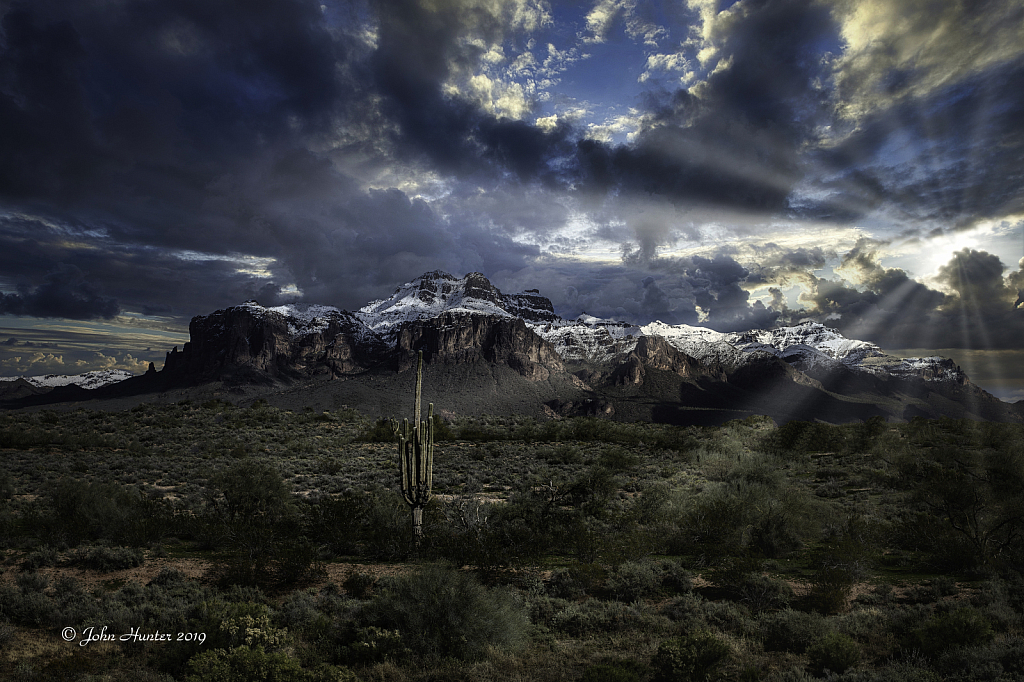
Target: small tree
point(416, 458)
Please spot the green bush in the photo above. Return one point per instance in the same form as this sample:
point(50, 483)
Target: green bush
point(44, 557)
point(965, 626)
point(245, 664)
point(74, 511)
point(763, 593)
point(108, 558)
point(790, 630)
point(693, 657)
point(381, 431)
point(251, 490)
point(576, 581)
point(582, 619)
point(612, 672)
point(633, 580)
point(359, 584)
point(831, 587)
point(835, 653)
point(443, 612)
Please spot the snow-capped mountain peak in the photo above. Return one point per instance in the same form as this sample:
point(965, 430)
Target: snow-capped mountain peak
point(435, 293)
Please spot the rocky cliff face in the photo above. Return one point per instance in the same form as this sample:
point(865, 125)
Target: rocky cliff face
point(654, 352)
point(276, 342)
point(454, 321)
point(456, 338)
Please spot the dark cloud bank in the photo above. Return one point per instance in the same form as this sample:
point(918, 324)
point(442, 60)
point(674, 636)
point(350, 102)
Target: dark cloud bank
point(148, 147)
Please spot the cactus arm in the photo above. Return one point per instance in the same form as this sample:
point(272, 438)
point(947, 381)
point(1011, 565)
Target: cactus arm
point(430, 449)
point(419, 387)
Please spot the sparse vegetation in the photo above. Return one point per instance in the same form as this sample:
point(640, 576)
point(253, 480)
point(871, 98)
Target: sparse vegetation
point(563, 549)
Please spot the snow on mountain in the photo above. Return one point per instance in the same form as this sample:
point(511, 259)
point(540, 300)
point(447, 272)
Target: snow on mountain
point(808, 340)
point(89, 380)
point(806, 346)
point(303, 319)
point(588, 338)
point(434, 293)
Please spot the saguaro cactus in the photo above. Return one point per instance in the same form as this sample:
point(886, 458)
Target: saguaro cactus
point(416, 455)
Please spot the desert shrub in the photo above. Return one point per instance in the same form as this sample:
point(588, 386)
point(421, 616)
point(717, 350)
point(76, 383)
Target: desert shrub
point(488, 536)
point(32, 582)
point(381, 431)
point(762, 593)
point(251, 490)
point(999, 601)
point(727, 616)
point(999, 660)
point(28, 604)
point(633, 580)
point(713, 523)
point(774, 535)
point(74, 511)
point(612, 672)
point(443, 612)
point(73, 605)
point(245, 664)
point(101, 558)
point(693, 657)
point(795, 438)
point(686, 609)
point(576, 581)
point(790, 630)
point(618, 459)
point(831, 586)
point(834, 652)
point(359, 584)
point(964, 626)
point(297, 610)
point(580, 619)
point(7, 632)
point(674, 578)
point(298, 561)
point(43, 557)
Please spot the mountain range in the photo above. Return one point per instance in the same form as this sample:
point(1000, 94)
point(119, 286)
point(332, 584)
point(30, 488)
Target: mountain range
point(491, 352)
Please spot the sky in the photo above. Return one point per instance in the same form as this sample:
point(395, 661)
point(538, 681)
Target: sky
point(735, 165)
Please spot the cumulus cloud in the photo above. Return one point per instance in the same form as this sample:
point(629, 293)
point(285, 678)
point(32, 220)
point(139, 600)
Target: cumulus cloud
point(913, 48)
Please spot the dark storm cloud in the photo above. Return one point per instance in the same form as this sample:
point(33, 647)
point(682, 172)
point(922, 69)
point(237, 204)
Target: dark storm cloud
point(418, 48)
point(952, 157)
point(738, 143)
point(149, 131)
point(64, 293)
point(129, 126)
point(895, 311)
point(669, 290)
point(100, 97)
point(717, 285)
point(889, 308)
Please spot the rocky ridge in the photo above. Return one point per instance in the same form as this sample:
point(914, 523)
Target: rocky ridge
point(489, 341)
